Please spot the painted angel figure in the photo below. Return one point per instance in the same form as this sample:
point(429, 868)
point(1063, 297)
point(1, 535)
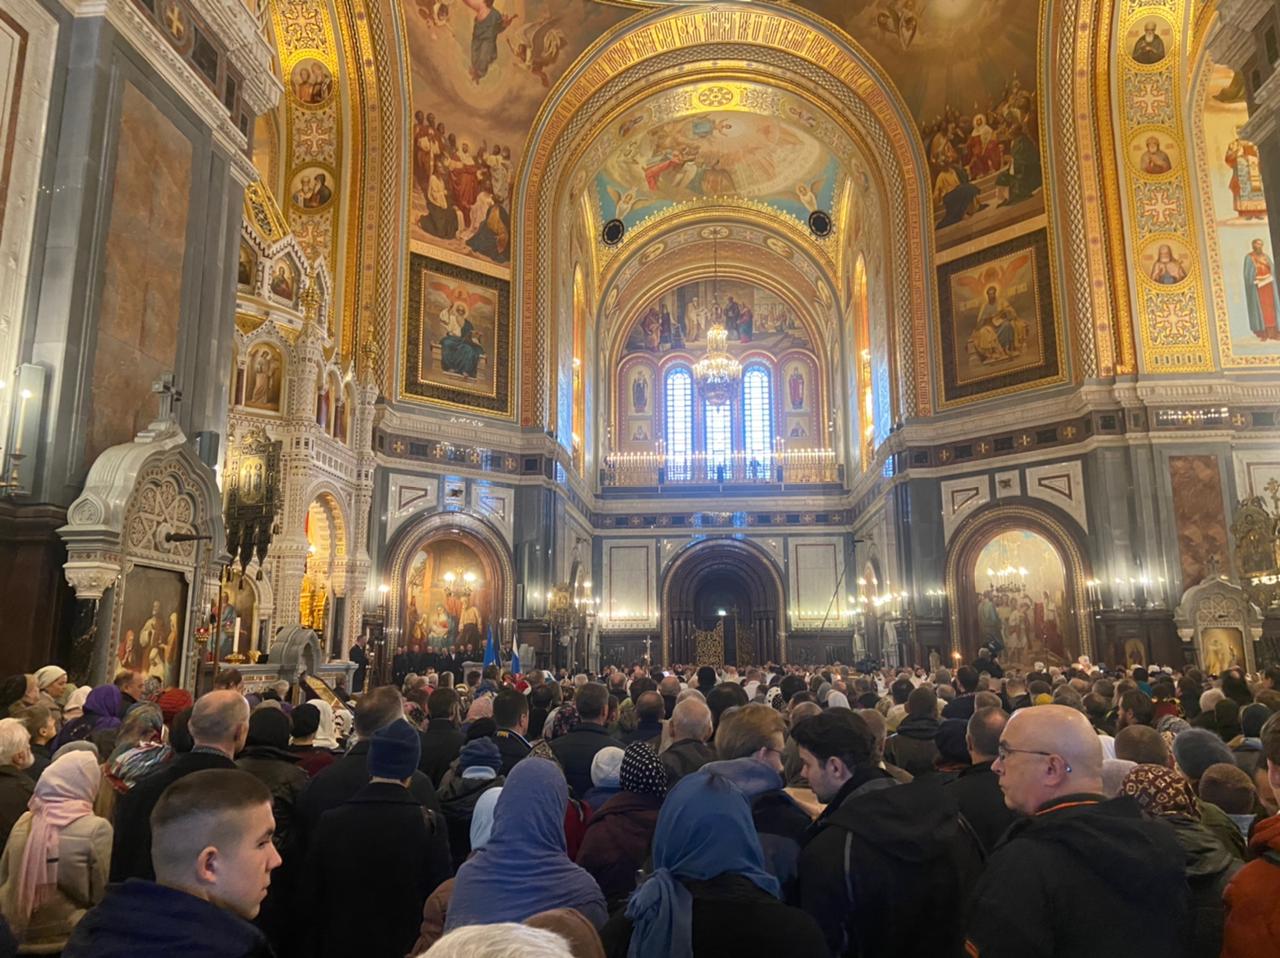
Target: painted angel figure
point(539, 47)
point(898, 18)
point(436, 13)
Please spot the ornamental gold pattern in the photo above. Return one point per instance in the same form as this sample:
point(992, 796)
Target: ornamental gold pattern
point(1165, 271)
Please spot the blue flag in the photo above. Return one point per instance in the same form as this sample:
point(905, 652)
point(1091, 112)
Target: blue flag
point(515, 660)
point(490, 650)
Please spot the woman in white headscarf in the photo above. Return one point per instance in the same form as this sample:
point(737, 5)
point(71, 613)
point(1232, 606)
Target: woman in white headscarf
point(52, 683)
point(327, 733)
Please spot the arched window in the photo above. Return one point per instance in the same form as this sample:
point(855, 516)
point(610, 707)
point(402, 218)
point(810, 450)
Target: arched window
point(678, 393)
point(757, 421)
point(718, 423)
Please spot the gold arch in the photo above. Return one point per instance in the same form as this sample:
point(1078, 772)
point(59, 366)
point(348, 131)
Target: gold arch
point(840, 69)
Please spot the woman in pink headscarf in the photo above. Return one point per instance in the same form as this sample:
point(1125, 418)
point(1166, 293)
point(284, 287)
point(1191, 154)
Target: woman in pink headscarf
point(55, 866)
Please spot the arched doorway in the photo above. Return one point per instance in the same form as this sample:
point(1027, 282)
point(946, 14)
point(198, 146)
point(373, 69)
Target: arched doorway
point(1016, 576)
point(319, 598)
point(451, 581)
point(723, 580)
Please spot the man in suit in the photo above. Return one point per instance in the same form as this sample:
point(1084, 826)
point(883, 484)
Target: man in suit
point(511, 714)
point(576, 750)
point(219, 725)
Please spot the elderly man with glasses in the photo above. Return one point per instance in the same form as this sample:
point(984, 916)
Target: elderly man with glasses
point(1078, 874)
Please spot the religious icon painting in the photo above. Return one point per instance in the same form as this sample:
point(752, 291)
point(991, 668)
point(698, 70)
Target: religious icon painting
point(248, 266)
point(999, 331)
point(312, 82)
point(284, 281)
point(312, 188)
point(458, 338)
point(149, 631)
point(264, 378)
point(1149, 40)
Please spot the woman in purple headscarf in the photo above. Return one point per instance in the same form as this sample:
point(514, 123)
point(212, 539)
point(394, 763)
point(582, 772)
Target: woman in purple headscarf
point(101, 712)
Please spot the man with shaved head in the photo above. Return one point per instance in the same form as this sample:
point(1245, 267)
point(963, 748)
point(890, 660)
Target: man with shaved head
point(1078, 874)
point(691, 726)
point(219, 725)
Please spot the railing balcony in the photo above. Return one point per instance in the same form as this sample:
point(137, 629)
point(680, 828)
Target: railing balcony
point(656, 469)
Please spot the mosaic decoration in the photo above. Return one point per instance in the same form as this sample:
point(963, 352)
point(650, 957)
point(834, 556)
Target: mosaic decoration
point(1168, 285)
point(308, 53)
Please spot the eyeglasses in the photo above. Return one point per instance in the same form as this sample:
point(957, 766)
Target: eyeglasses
point(1003, 752)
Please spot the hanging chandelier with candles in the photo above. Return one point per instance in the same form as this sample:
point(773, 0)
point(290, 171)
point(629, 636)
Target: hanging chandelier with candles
point(717, 372)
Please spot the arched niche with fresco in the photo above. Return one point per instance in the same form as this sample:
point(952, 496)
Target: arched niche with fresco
point(1016, 576)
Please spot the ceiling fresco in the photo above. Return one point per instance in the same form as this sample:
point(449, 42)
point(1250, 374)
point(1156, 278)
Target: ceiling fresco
point(722, 140)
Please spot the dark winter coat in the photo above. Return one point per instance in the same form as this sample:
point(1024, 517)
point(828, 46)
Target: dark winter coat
point(976, 791)
point(887, 868)
point(643, 732)
point(1084, 877)
point(458, 797)
point(575, 751)
point(140, 919)
point(131, 844)
point(16, 788)
point(1210, 868)
point(912, 748)
point(339, 783)
point(441, 743)
point(617, 843)
point(686, 757)
point(280, 772)
point(374, 861)
point(733, 917)
point(960, 707)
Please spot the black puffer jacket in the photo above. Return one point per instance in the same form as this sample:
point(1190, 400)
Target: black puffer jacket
point(1210, 868)
point(280, 772)
point(458, 797)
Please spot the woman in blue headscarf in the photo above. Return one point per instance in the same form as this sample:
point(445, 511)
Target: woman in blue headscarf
point(710, 893)
point(101, 713)
point(524, 869)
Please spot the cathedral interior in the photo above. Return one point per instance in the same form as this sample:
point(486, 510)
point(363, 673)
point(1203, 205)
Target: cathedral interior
point(755, 332)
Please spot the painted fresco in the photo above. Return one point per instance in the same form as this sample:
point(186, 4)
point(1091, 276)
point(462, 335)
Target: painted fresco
point(458, 342)
point(264, 378)
point(754, 318)
point(656, 163)
point(1021, 597)
point(967, 71)
point(437, 614)
point(1249, 333)
point(480, 70)
point(1199, 511)
point(151, 624)
point(998, 329)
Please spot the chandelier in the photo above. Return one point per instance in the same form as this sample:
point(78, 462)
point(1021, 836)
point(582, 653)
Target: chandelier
point(458, 584)
point(717, 372)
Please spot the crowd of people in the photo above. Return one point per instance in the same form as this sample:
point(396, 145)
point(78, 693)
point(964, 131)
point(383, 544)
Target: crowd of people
point(699, 811)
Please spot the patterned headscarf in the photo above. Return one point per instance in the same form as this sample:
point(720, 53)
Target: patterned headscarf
point(642, 771)
point(566, 720)
point(1161, 791)
point(542, 749)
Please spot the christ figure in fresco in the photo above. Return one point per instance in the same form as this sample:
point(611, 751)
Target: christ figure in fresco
point(484, 36)
point(1260, 293)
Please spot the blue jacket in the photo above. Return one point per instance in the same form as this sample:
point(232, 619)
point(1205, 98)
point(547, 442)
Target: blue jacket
point(140, 919)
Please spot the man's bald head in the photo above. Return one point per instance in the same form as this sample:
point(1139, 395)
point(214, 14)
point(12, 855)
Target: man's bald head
point(669, 686)
point(650, 707)
point(1047, 752)
point(691, 719)
point(220, 720)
